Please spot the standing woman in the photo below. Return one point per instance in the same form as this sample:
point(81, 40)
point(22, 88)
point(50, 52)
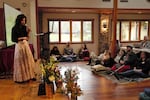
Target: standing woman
point(23, 59)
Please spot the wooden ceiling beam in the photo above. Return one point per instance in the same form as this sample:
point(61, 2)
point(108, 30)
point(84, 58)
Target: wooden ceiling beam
point(92, 10)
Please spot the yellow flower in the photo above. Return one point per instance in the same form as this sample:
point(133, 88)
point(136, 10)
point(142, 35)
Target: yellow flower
point(51, 78)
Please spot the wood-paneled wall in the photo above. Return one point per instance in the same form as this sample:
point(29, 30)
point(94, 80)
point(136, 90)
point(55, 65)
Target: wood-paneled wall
point(2, 27)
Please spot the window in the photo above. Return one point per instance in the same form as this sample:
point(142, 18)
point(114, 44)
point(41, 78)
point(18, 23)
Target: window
point(129, 31)
point(134, 30)
point(144, 29)
point(65, 31)
point(125, 31)
point(54, 28)
point(75, 31)
point(87, 31)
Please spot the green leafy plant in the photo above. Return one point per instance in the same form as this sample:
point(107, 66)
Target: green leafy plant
point(50, 70)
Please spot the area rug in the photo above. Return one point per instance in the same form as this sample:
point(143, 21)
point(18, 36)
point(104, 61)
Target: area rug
point(124, 80)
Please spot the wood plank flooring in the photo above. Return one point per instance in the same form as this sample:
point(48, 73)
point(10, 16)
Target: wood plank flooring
point(94, 87)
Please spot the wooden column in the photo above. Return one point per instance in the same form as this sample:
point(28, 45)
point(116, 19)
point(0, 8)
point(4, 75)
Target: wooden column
point(114, 18)
point(2, 25)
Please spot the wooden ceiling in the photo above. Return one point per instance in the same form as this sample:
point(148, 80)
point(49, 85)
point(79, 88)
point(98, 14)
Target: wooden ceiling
point(92, 10)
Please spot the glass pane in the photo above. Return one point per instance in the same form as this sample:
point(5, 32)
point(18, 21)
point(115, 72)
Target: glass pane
point(125, 31)
point(87, 30)
point(54, 28)
point(76, 31)
point(65, 31)
point(134, 30)
point(118, 30)
point(144, 29)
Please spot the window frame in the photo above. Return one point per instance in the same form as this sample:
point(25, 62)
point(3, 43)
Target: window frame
point(139, 34)
point(70, 20)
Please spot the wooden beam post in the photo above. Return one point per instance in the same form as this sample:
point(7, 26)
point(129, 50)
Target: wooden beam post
point(114, 20)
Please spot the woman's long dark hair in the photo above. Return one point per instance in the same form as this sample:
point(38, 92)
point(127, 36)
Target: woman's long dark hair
point(19, 19)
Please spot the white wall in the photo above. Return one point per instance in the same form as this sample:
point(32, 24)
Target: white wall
point(134, 4)
point(33, 37)
point(131, 4)
point(75, 3)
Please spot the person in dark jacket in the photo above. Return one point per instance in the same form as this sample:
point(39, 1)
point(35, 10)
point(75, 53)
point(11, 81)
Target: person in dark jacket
point(84, 52)
point(55, 52)
point(142, 68)
point(127, 62)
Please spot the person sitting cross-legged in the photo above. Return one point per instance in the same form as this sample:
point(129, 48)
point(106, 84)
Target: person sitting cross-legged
point(55, 52)
point(68, 55)
point(84, 53)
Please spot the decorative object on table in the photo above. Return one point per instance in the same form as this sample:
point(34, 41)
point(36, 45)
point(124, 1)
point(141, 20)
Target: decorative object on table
point(49, 90)
point(41, 89)
point(71, 88)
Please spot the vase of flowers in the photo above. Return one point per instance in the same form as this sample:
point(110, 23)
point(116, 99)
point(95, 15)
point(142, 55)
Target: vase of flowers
point(49, 90)
point(50, 72)
point(71, 86)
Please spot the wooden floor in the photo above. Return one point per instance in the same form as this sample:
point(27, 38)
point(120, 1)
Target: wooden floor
point(94, 87)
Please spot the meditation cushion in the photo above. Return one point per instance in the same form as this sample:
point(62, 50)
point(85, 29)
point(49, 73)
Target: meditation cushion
point(86, 58)
point(99, 68)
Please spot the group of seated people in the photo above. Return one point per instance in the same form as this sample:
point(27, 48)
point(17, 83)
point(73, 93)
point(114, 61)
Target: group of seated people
point(69, 55)
point(125, 64)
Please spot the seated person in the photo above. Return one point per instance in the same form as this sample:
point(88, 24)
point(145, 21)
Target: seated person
point(127, 62)
point(68, 54)
point(92, 59)
point(103, 59)
point(145, 43)
point(119, 56)
point(55, 52)
point(114, 61)
point(141, 70)
point(68, 50)
point(83, 52)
